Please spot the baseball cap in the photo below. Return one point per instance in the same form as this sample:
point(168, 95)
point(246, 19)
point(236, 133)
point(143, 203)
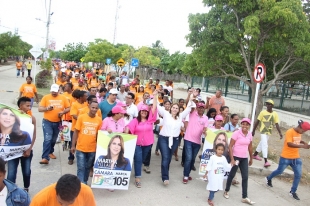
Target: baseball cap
point(246, 120)
point(76, 74)
point(218, 118)
point(121, 104)
point(270, 101)
point(126, 85)
point(144, 107)
point(305, 126)
point(113, 91)
point(200, 104)
point(54, 88)
point(151, 78)
point(118, 109)
point(141, 85)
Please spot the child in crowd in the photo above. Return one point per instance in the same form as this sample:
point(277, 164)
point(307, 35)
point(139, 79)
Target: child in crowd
point(216, 168)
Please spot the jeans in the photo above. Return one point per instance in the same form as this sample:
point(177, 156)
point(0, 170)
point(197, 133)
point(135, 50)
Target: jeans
point(18, 72)
point(211, 195)
point(29, 72)
point(50, 133)
point(147, 159)
point(244, 169)
point(191, 151)
point(263, 145)
point(31, 104)
point(166, 154)
point(141, 154)
point(85, 161)
point(26, 169)
point(71, 156)
point(296, 165)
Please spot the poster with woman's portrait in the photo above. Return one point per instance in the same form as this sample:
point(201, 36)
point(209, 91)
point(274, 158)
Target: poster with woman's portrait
point(113, 162)
point(213, 137)
point(16, 131)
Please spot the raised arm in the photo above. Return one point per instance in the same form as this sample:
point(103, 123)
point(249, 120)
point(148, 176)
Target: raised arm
point(155, 98)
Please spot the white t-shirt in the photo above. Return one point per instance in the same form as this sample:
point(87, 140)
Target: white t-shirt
point(216, 167)
point(125, 80)
point(3, 195)
point(132, 111)
point(169, 88)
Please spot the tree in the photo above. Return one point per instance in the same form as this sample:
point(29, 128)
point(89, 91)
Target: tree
point(73, 52)
point(235, 35)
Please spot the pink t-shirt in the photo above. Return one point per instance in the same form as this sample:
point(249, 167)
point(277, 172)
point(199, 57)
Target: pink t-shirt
point(109, 123)
point(144, 130)
point(213, 127)
point(195, 126)
point(240, 149)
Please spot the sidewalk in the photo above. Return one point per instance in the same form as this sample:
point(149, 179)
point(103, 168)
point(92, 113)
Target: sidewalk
point(152, 192)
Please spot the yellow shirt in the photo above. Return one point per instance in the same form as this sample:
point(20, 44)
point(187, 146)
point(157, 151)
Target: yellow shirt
point(267, 120)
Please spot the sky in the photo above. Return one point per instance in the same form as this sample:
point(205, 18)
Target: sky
point(139, 22)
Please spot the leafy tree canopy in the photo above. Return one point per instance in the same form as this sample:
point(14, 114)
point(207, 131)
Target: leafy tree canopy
point(12, 45)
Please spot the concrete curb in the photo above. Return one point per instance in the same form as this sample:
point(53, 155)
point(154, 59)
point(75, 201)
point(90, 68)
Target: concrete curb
point(258, 169)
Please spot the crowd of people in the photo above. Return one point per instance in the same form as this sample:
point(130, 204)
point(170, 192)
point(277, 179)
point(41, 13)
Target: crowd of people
point(97, 101)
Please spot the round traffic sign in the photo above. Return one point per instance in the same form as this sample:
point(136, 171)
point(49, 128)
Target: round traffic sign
point(259, 73)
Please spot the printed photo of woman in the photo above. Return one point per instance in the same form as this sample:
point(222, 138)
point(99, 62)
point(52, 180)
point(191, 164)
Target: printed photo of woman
point(10, 133)
point(115, 159)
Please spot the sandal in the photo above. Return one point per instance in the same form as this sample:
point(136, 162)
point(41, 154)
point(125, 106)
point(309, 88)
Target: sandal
point(248, 201)
point(210, 202)
point(235, 182)
point(226, 195)
point(157, 153)
point(138, 184)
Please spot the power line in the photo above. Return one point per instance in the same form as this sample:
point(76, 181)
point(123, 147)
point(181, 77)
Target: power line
point(22, 31)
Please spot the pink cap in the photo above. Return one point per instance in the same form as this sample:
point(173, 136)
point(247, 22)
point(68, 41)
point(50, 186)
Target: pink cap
point(200, 104)
point(126, 85)
point(218, 118)
point(246, 120)
point(121, 104)
point(305, 126)
point(144, 107)
point(118, 109)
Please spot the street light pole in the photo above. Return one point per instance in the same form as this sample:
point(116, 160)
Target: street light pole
point(48, 25)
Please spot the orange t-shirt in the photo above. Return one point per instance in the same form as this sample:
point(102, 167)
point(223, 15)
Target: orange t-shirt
point(82, 88)
point(85, 110)
point(93, 83)
point(74, 82)
point(108, 79)
point(57, 67)
point(132, 89)
point(69, 97)
point(148, 90)
point(157, 86)
point(138, 97)
point(29, 112)
point(59, 103)
point(75, 109)
point(288, 152)
point(48, 197)
point(28, 90)
point(61, 83)
point(19, 65)
point(88, 128)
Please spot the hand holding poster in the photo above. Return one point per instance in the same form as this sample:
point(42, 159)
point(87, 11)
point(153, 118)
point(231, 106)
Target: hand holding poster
point(213, 137)
point(16, 130)
point(113, 160)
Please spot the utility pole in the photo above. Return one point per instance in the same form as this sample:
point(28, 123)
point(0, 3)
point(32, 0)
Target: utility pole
point(115, 23)
point(48, 25)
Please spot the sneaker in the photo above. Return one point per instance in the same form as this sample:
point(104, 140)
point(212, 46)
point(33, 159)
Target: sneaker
point(257, 158)
point(268, 182)
point(185, 181)
point(194, 168)
point(248, 201)
point(226, 195)
point(147, 169)
point(180, 147)
point(267, 164)
point(294, 195)
point(52, 156)
point(44, 162)
point(26, 189)
point(166, 182)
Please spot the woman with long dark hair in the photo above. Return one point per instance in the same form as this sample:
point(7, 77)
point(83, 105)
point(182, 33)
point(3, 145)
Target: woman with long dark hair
point(142, 126)
point(115, 159)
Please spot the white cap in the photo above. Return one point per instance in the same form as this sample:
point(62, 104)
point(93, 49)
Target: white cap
point(151, 78)
point(54, 88)
point(76, 73)
point(113, 91)
point(63, 69)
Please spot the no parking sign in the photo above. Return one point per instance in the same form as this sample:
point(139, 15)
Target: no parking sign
point(259, 73)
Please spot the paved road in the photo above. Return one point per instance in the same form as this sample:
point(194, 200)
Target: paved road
point(152, 192)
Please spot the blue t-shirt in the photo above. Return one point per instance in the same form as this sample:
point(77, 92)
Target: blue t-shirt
point(105, 108)
point(24, 141)
point(229, 127)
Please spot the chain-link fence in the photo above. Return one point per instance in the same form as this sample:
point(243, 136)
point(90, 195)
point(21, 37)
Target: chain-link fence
point(292, 97)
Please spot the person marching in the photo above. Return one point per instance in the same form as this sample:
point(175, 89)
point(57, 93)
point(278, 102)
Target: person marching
point(266, 118)
point(290, 156)
point(29, 90)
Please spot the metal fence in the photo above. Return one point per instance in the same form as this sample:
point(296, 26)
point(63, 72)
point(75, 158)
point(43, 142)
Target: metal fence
point(292, 97)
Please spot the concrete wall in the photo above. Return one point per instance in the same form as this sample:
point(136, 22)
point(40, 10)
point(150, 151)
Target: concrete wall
point(287, 119)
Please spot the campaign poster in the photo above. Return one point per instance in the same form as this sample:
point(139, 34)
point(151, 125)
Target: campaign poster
point(212, 138)
point(113, 162)
point(16, 131)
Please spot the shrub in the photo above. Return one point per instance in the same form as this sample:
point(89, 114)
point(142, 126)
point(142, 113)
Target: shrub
point(43, 79)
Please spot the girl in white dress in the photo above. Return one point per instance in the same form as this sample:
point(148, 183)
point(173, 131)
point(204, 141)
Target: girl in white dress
point(216, 168)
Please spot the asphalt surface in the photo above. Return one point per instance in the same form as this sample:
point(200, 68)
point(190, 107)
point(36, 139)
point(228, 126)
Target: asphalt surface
point(152, 192)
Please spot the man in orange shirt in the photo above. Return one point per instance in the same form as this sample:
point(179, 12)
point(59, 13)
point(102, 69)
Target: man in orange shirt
point(216, 102)
point(85, 139)
point(54, 106)
point(67, 191)
point(19, 66)
point(290, 156)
